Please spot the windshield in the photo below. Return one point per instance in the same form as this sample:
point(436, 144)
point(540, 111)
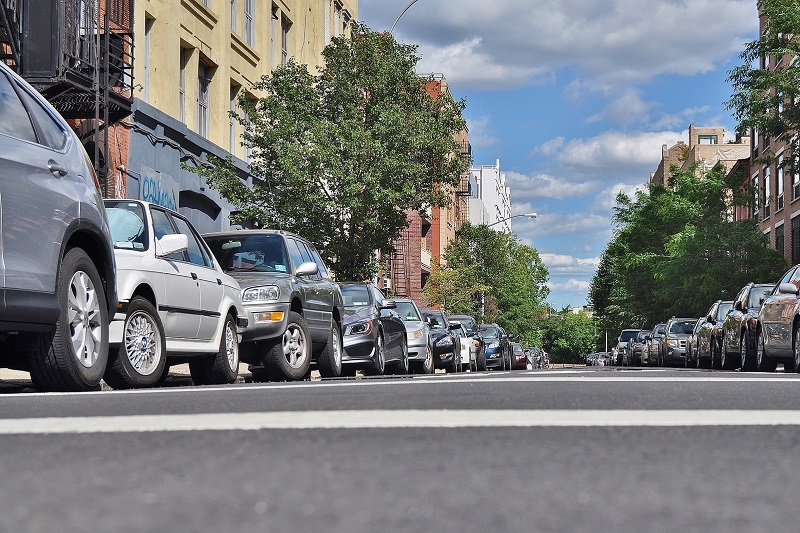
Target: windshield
point(628, 334)
point(354, 296)
point(468, 323)
point(257, 253)
point(408, 312)
point(126, 222)
point(682, 326)
point(640, 337)
point(758, 295)
point(436, 321)
point(723, 309)
point(660, 329)
point(490, 333)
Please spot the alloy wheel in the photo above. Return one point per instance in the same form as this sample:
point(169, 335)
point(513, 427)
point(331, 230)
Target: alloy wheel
point(294, 345)
point(142, 343)
point(84, 318)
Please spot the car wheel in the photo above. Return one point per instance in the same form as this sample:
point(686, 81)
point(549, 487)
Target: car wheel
point(725, 358)
point(480, 362)
point(402, 366)
point(763, 362)
point(74, 357)
point(290, 357)
point(715, 358)
point(223, 366)
point(426, 367)
point(796, 349)
point(329, 361)
point(142, 356)
point(378, 367)
point(744, 351)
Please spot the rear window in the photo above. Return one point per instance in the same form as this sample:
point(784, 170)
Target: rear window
point(682, 326)
point(628, 335)
point(354, 296)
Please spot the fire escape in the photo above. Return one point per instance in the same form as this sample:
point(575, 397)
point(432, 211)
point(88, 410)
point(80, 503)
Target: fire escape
point(79, 55)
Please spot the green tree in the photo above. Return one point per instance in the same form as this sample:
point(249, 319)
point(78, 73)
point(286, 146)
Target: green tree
point(569, 337)
point(339, 156)
point(768, 99)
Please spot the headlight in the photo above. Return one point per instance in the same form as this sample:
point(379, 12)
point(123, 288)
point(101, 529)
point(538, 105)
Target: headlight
point(672, 341)
point(445, 341)
point(261, 294)
point(362, 328)
point(416, 334)
point(493, 344)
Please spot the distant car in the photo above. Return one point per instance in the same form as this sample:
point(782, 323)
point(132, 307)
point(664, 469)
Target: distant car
point(478, 345)
point(57, 275)
point(633, 351)
point(294, 308)
point(467, 355)
point(673, 344)
point(446, 346)
point(691, 344)
point(709, 335)
point(740, 327)
point(622, 343)
point(374, 335)
point(498, 348)
point(518, 359)
point(175, 302)
point(420, 345)
point(650, 351)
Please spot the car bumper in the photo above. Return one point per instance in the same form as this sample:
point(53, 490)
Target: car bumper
point(358, 349)
point(417, 351)
point(265, 321)
point(675, 355)
point(494, 359)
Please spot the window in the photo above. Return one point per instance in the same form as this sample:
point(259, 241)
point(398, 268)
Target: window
point(232, 120)
point(780, 241)
point(294, 253)
point(795, 240)
point(195, 250)
point(148, 27)
point(767, 190)
point(203, 97)
point(337, 17)
point(185, 53)
point(756, 199)
point(779, 184)
point(249, 15)
point(326, 8)
point(162, 226)
point(796, 180)
point(16, 121)
point(707, 139)
point(51, 134)
point(273, 30)
point(233, 16)
point(285, 26)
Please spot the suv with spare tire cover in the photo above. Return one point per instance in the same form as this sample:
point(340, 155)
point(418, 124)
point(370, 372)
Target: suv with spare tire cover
point(294, 308)
point(57, 274)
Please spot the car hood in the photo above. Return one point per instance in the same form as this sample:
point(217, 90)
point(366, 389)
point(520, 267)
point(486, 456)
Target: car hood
point(252, 279)
point(357, 314)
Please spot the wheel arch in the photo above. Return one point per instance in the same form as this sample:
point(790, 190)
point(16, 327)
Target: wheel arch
point(93, 243)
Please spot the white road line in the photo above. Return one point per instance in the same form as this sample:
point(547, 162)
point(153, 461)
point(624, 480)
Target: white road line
point(379, 419)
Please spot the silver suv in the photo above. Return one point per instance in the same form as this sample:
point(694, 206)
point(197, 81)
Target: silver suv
point(294, 308)
point(57, 273)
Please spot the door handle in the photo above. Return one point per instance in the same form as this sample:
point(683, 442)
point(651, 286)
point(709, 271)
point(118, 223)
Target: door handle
point(55, 168)
point(194, 276)
point(219, 281)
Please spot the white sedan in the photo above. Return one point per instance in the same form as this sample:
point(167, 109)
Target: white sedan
point(175, 302)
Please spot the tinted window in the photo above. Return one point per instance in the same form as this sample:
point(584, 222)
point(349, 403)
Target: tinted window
point(294, 252)
point(786, 277)
point(53, 135)
point(660, 329)
point(490, 333)
point(261, 253)
point(307, 257)
point(377, 295)
point(126, 221)
point(437, 320)
point(758, 295)
point(640, 336)
point(162, 226)
point(14, 120)
point(408, 312)
point(682, 326)
point(628, 335)
point(723, 309)
point(195, 250)
point(355, 296)
point(323, 270)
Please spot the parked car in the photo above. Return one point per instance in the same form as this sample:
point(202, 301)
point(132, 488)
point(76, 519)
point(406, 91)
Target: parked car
point(691, 344)
point(673, 344)
point(498, 348)
point(176, 304)
point(467, 353)
point(740, 327)
point(709, 336)
point(478, 345)
point(294, 308)
point(446, 346)
point(518, 359)
point(57, 270)
point(420, 346)
point(633, 351)
point(650, 352)
point(534, 356)
point(374, 335)
point(779, 325)
point(622, 342)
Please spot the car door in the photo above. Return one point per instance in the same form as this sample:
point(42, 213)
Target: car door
point(307, 286)
point(327, 289)
point(208, 280)
point(38, 168)
point(393, 327)
point(734, 319)
point(777, 315)
point(180, 305)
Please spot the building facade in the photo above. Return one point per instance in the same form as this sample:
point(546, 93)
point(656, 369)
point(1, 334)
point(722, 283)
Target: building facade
point(491, 203)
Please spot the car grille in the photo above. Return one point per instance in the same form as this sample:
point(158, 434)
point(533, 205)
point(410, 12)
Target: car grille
point(682, 343)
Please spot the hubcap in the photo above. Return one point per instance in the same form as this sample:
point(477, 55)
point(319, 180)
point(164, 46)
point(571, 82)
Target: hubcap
point(381, 357)
point(337, 347)
point(83, 316)
point(797, 348)
point(294, 346)
point(760, 351)
point(142, 343)
point(232, 348)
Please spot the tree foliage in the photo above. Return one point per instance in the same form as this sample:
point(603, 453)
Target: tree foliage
point(504, 281)
point(676, 251)
point(569, 337)
point(339, 156)
point(769, 99)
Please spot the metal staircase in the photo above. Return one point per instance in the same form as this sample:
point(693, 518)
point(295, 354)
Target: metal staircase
point(10, 31)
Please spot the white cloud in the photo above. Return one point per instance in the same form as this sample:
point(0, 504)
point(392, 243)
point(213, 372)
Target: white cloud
point(479, 135)
point(606, 200)
point(626, 108)
point(570, 286)
point(527, 188)
point(548, 224)
point(560, 265)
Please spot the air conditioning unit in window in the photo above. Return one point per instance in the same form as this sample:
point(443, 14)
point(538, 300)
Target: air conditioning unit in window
point(387, 283)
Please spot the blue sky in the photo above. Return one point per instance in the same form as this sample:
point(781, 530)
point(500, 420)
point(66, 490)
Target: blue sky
point(576, 98)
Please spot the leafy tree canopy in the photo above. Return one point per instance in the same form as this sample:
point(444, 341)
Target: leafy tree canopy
point(339, 156)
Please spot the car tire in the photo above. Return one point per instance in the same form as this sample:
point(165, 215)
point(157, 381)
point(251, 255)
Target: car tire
point(746, 352)
point(401, 368)
point(222, 367)
point(763, 361)
point(480, 361)
point(715, 359)
point(289, 358)
point(426, 366)
point(142, 355)
point(725, 362)
point(378, 366)
point(329, 362)
point(73, 357)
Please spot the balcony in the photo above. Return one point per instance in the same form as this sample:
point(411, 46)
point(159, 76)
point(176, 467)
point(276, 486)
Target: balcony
point(425, 257)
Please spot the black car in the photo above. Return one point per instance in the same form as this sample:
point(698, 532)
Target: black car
point(740, 327)
point(498, 347)
point(374, 334)
point(709, 335)
point(294, 308)
point(479, 345)
point(446, 345)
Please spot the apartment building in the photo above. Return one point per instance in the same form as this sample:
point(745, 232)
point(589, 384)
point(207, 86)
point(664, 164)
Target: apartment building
point(194, 58)
point(491, 205)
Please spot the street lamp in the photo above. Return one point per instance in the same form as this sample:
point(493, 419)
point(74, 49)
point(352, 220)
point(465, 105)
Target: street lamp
point(529, 215)
point(401, 14)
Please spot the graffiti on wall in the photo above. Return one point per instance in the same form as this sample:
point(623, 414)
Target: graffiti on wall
point(158, 188)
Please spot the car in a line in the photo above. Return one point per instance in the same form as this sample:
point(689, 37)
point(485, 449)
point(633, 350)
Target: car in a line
point(293, 306)
point(467, 353)
point(779, 325)
point(420, 345)
point(57, 273)
point(375, 338)
point(446, 346)
point(478, 344)
point(740, 328)
point(633, 351)
point(519, 360)
point(622, 343)
point(673, 344)
point(176, 304)
point(709, 336)
point(691, 345)
point(652, 343)
point(498, 347)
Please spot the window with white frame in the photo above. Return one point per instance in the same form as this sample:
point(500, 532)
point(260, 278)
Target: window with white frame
point(796, 179)
point(285, 27)
point(273, 34)
point(779, 173)
point(249, 16)
point(233, 16)
point(337, 18)
point(185, 54)
point(232, 120)
point(767, 193)
point(148, 29)
point(203, 98)
point(756, 199)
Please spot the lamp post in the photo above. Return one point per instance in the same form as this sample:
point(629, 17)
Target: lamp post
point(401, 14)
point(529, 215)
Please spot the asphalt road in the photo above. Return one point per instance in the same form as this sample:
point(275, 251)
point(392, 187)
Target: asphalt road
point(558, 450)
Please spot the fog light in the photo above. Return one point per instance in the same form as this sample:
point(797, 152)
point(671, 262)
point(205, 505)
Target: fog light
point(274, 316)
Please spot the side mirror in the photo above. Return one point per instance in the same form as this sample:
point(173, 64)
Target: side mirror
point(787, 288)
point(710, 319)
point(389, 304)
point(169, 244)
point(309, 268)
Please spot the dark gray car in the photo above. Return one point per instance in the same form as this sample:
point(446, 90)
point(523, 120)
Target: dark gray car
point(740, 327)
point(676, 336)
point(57, 271)
point(294, 308)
